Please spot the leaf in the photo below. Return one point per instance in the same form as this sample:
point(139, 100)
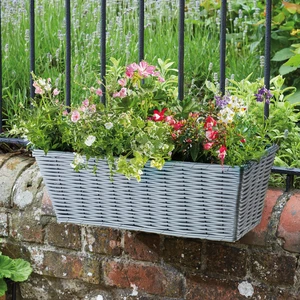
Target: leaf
point(3, 287)
point(291, 7)
point(279, 18)
point(195, 151)
point(295, 98)
point(286, 69)
point(283, 54)
point(7, 266)
point(294, 61)
point(23, 270)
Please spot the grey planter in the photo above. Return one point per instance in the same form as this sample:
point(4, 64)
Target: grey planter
point(184, 199)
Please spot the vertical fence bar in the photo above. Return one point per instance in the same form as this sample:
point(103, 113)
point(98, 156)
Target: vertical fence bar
point(103, 49)
point(32, 46)
point(267, 52)
point(223, 46)
point(1, 103)
point(181, 50)
point(68, 53)
point(141, 30)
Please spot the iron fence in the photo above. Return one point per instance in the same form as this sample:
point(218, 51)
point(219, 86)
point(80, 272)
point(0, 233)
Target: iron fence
point(141, 53)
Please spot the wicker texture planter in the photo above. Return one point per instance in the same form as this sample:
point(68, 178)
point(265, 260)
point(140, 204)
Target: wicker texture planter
point(184, 199)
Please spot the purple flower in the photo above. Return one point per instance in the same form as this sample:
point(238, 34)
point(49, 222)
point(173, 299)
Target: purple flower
point(263, 94)
point(222, 101)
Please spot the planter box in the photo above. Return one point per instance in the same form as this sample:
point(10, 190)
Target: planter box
point(184, 199)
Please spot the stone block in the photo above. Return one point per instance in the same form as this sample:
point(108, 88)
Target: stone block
point(142, 246)
point(9, 173)
point(148, 278)
point(273, 269)
point(47, 206)
point(183, 252)
point(3, 225)
point(289, 224)
point(225, 260)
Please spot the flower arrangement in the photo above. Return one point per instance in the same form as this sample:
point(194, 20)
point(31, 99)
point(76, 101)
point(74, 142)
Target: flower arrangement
point(143, 121)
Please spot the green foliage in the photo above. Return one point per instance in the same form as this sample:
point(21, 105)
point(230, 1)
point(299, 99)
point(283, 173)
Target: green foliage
point(15, 269)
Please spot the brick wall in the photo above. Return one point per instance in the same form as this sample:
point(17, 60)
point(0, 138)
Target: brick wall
point(84, 262)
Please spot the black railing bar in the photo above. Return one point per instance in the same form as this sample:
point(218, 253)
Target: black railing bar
point(141, 30)
point(267, 52)
point(32, 47)
point(68, 53)
point(223, 46)
point(284, 170)
point(15, 141)
point(1, 103)
point(103, 50)
point(181, 50)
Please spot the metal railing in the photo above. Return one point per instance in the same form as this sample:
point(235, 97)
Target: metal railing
point(290, 172)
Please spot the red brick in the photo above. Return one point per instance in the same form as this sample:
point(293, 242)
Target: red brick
point(257, 236)
point(225, 260)
point(142, 246)
point(152, 279)
point(205, 288)
point(67, 266)
point(103, 240)
point(289, 224)
point(273, 269)
point(183, 252)
point(64, 235)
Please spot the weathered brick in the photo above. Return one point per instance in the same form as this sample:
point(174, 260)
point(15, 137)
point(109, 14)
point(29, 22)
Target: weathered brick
point(152, 279)
point(225, 260)
point(258, 235)
point(103, 240)
point(3, 224)
point(9, 172)
point(64, 235)
point(142, 246)
point(183, 252)
point(47, 206)
point(65, 265)
point(205, 288)
point(26, 228)
point(289, 224)
point(273, 269)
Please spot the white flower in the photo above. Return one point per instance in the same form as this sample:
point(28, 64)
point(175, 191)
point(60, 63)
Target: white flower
point(78, 160)
point(109, 125)
point(90, 140)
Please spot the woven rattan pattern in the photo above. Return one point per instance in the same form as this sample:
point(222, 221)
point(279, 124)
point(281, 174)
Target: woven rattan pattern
point(184, 199)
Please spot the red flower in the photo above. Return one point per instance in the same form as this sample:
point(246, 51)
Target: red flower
point(222, 153)
point(158, 115)
point(211, 134)
point(210, 122)
point(207, 146)
point(177, 125)
point(243, 140)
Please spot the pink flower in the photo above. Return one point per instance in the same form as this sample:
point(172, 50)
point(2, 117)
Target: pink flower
point(145, 69)
point(222, 153)
point(99, 92)
point(56, 92)
point(170, 120)
point(85, 103)
point(210, 122)
point(121, 94)
point(130, 70)
point(39, 90)
point(211, 134)
point(122, 82)
point(75, 116)
point(65, 113)
point(157, 74)
point(207, 146)
point(93, 108)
